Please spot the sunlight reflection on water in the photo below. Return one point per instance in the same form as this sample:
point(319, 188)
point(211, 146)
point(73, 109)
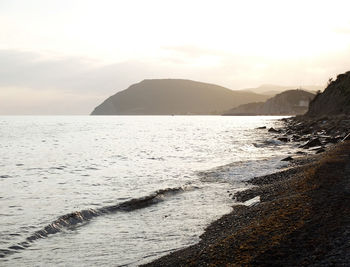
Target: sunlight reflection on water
point(53, 166)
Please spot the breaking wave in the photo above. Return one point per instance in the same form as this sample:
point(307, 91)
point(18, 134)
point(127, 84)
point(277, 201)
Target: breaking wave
point(78, 217)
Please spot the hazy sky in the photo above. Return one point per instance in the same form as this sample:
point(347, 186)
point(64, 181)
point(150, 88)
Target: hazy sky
point(65, 57)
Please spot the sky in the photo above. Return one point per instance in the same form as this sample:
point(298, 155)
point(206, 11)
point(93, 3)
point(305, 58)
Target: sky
point(65, 57)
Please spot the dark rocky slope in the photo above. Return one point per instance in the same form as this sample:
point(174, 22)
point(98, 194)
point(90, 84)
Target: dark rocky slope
point(334, 100)
point(291, 102)
point(174, 96)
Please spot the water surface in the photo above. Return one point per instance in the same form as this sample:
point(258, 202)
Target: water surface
point(53, 166)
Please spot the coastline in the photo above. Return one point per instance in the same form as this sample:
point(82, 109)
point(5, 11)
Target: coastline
point(302, 218)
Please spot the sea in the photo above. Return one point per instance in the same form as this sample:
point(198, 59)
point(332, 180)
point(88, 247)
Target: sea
point(122, 190)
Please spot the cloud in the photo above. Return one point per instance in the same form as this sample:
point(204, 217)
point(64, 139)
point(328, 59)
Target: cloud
point(33, 83)
point(20, 101)
point(34, 70)
point(23, 69)
point(191, 51)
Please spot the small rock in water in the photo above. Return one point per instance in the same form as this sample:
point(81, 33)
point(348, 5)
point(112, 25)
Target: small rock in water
point(262, 127)
point(287, 159)
point(273, 130)
point(283, 139)
point(296, 137)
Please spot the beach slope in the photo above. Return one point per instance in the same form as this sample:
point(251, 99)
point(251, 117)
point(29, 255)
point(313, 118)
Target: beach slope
point(302, 219)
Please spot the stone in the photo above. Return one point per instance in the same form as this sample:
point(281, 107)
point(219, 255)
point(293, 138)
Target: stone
point(346, 138)
point(296, 137)
point(320, 150)
point(273, 130)
point(287, 159)
point(283, 139)
point(311, 143)
point(305, 138)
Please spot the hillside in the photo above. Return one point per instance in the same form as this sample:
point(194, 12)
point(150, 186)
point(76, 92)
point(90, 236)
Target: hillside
point(272, 89)
point(174, 96)
point(291, 102)
point(334, 100)
point(246, 109)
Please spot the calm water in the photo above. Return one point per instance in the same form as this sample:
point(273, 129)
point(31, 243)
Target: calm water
point(108, 170)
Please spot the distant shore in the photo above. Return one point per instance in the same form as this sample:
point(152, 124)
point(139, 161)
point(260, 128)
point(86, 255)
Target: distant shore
point(303, 214)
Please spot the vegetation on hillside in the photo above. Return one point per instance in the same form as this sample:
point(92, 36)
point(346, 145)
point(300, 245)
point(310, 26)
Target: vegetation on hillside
point(334, 100)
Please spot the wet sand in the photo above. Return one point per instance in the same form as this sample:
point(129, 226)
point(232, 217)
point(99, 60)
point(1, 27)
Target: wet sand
point(303, 219)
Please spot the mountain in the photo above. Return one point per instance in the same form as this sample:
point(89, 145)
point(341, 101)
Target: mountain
point(334, 100)
point(174, 96)
point(246, 109)
point(272, 89)
point(291, 102)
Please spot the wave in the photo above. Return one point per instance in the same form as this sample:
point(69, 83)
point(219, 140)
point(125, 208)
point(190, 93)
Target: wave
point(70, 220)
point(268, 142)
point(239, 172)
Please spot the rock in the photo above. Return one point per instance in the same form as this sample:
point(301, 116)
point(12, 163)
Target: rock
point(305, 138)
point(283, 139)
point(328, 139)
point(303, 146)
point(301, 153)
point(296, 137)
point(287, 159)
point(306, 131)
point(346, 138)
point(333, 140)
point(272, 130)
point(312, 143)
point(262, 127)
point(320, 150)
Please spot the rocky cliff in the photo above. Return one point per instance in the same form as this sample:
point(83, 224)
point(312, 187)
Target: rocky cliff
point(334, 100)
point(174, 96)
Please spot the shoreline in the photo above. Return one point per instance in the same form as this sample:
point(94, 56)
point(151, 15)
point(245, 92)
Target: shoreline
point(301, 219)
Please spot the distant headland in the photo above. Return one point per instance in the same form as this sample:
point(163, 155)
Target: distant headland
point(174, 97)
